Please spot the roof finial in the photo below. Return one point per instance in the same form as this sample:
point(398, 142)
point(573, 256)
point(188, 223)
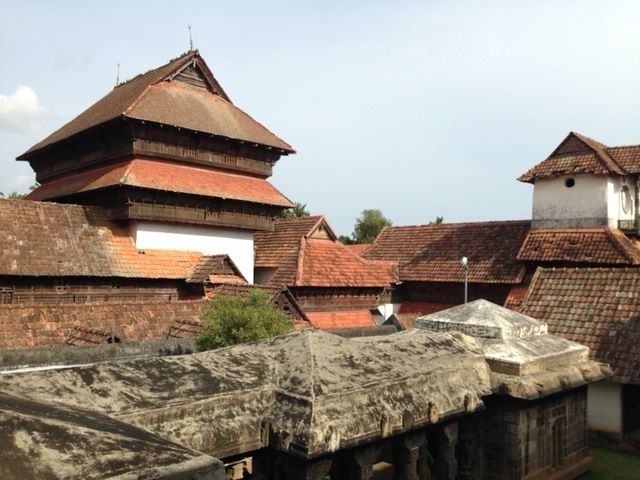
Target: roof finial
point(190, 39)
point(118, 75)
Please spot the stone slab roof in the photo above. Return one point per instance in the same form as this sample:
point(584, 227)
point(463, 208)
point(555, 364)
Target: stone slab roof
point(308, 392)
point(519, 346)
point(578, 154)
point(432, 253)
point(598, 307)
point(168, 177)
point(55, 441)
point(585, 245)
point(302, 257)
point(155, 97)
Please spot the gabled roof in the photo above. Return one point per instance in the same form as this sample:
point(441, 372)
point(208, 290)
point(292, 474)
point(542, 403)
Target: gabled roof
point(432, 253)
point(579, 154)
point(58, 240)
point(168, 177)
point(220, 267)
point(157, 96)
point(304, 252)
point(598, 307)
point(583, 245)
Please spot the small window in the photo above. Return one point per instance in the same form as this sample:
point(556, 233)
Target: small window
point(569, 182)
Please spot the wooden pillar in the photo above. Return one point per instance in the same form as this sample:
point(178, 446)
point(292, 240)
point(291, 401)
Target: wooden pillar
point(446, 465)
point(406, 454)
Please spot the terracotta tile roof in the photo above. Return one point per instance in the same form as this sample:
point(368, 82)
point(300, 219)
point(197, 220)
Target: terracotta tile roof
point(585, 245)
point(328, 263)
point(216, 269)
point(169, 177)
point(26, 326)
point(303, 260)
point(80, 336)
point(155, 97)
point(357, 248)
point(628, 157)
point(184, 328)
point(432, 253)
point(341, 319)
point(580, 154)
point(598, 307)
point(51, 239)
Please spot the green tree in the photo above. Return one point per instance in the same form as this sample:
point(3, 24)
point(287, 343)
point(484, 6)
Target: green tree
point(368, 225)
point(298, 210)
point(238, 319)
point(346, 240)
point(437, 221)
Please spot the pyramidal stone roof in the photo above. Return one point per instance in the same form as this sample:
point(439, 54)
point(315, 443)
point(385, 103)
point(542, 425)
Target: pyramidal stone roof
point(307, 392)
point(156, 96)
point(525, 360)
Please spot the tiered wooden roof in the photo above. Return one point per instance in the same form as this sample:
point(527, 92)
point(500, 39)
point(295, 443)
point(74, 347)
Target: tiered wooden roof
point(168, 145)
point(166, 177)
point(578, 154)
point(166, 95)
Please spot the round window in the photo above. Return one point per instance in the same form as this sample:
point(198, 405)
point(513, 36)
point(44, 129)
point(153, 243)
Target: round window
point(569, 182)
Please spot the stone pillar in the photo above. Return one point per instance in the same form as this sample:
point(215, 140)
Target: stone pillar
point(358, 463)
point(273, 465)
point(308, 470)
point(446, 465)
point(406, 453)
point(467, 451)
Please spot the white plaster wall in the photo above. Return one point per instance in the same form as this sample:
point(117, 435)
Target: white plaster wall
point(616, 200)
point(583, 205)
point(238, 244)
point(388, 309)
point(604, 408)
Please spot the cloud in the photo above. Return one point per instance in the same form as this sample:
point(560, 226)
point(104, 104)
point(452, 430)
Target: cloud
point(21, 112)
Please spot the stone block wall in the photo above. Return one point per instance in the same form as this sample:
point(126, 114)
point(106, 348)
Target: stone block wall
point(533, 440)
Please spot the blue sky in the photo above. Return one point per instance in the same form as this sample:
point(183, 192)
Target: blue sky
point(417, 108)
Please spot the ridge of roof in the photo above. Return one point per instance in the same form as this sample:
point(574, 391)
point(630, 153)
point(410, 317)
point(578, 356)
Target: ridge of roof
point(579, 165)
point(225, 120)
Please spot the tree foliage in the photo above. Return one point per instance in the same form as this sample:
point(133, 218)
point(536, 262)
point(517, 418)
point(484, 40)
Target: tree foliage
point(239, 319)
point(437, 221)
point(298, 210)
point(368, 225)
point(346, 240)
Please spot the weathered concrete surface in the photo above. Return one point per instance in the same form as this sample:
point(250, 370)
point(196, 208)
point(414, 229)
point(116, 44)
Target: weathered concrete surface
point(526, 362)
point(483, 319)
point(306, 392)
point(45, 441)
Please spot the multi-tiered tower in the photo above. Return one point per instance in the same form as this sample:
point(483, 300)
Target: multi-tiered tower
point(169, 154)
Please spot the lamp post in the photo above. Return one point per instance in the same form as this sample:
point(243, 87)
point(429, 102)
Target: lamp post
point(465, 269)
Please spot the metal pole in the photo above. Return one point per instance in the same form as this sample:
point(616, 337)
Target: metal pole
point(466, 290)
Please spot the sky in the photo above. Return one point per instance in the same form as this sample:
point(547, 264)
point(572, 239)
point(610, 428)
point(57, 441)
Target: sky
point(417, 108)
